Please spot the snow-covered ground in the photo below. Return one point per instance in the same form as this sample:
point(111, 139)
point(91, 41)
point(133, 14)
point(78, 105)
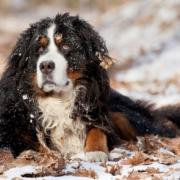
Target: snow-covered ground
point(123, 164)
point(144, 35)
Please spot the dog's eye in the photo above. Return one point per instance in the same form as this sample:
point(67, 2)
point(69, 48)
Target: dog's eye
point(65, 49)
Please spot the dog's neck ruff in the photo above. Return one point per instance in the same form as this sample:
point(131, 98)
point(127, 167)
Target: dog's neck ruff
point(67, 135)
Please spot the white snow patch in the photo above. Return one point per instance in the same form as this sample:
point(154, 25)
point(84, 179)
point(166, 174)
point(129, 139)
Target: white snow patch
point(17, 172)
point(25, 96)
point(32, 116)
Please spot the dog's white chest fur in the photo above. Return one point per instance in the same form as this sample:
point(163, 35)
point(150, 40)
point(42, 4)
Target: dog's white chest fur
point(67, 135)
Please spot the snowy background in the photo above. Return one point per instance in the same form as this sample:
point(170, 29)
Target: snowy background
point(144, 36)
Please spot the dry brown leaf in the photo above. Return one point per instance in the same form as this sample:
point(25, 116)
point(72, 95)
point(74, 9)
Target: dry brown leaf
point(114, 169)
point(173, 144)
point(130, 145)
point(85, 173)
point(5, 156)
point(106, 61)
point(152, 170)
point(139, 175)
point(135, 175)
point(49, 163)
point(167, 159)
point(152, 143)
point(138, 158)
point(6, 160)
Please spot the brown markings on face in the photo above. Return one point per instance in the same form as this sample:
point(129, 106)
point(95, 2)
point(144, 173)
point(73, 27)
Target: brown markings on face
point(96, 141)
point(58, 39)
point(74, 75)
point(122, 123)
point(43, 41)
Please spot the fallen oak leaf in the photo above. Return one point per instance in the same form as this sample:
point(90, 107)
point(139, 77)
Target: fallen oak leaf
point(172, 144)
point(152, 170)
point(106, 61)
point(84, 173)
point(138, 158)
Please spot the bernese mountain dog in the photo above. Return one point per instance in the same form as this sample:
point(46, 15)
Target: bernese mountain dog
point(56, 83)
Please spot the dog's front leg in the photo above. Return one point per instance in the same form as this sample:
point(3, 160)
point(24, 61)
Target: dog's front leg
point(96, 148)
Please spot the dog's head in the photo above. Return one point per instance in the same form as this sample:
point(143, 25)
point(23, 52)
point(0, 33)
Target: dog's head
point(56, 50)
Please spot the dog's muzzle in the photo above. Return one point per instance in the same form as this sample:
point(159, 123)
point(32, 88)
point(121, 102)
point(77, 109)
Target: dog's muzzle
point(52, 78)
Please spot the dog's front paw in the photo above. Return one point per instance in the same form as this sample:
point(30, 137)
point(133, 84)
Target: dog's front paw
point(96, 156)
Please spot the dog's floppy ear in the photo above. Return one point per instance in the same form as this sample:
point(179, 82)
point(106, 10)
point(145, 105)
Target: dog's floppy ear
point(94, 44)
point(22, 48)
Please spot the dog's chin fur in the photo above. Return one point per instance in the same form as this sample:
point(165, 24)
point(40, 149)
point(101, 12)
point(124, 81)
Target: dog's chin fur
point(57, 89)
point(47, 88)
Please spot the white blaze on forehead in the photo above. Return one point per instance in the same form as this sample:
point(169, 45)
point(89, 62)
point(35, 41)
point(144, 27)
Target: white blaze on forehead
point(50, 35)
point(59, 74)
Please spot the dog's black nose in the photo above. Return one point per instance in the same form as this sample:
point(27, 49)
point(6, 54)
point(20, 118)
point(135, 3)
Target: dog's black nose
point(47, 67)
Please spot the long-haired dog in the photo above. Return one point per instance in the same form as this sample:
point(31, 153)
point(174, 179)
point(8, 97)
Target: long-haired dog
point(56, 82)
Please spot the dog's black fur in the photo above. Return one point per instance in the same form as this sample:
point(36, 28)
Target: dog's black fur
point(19, 113)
